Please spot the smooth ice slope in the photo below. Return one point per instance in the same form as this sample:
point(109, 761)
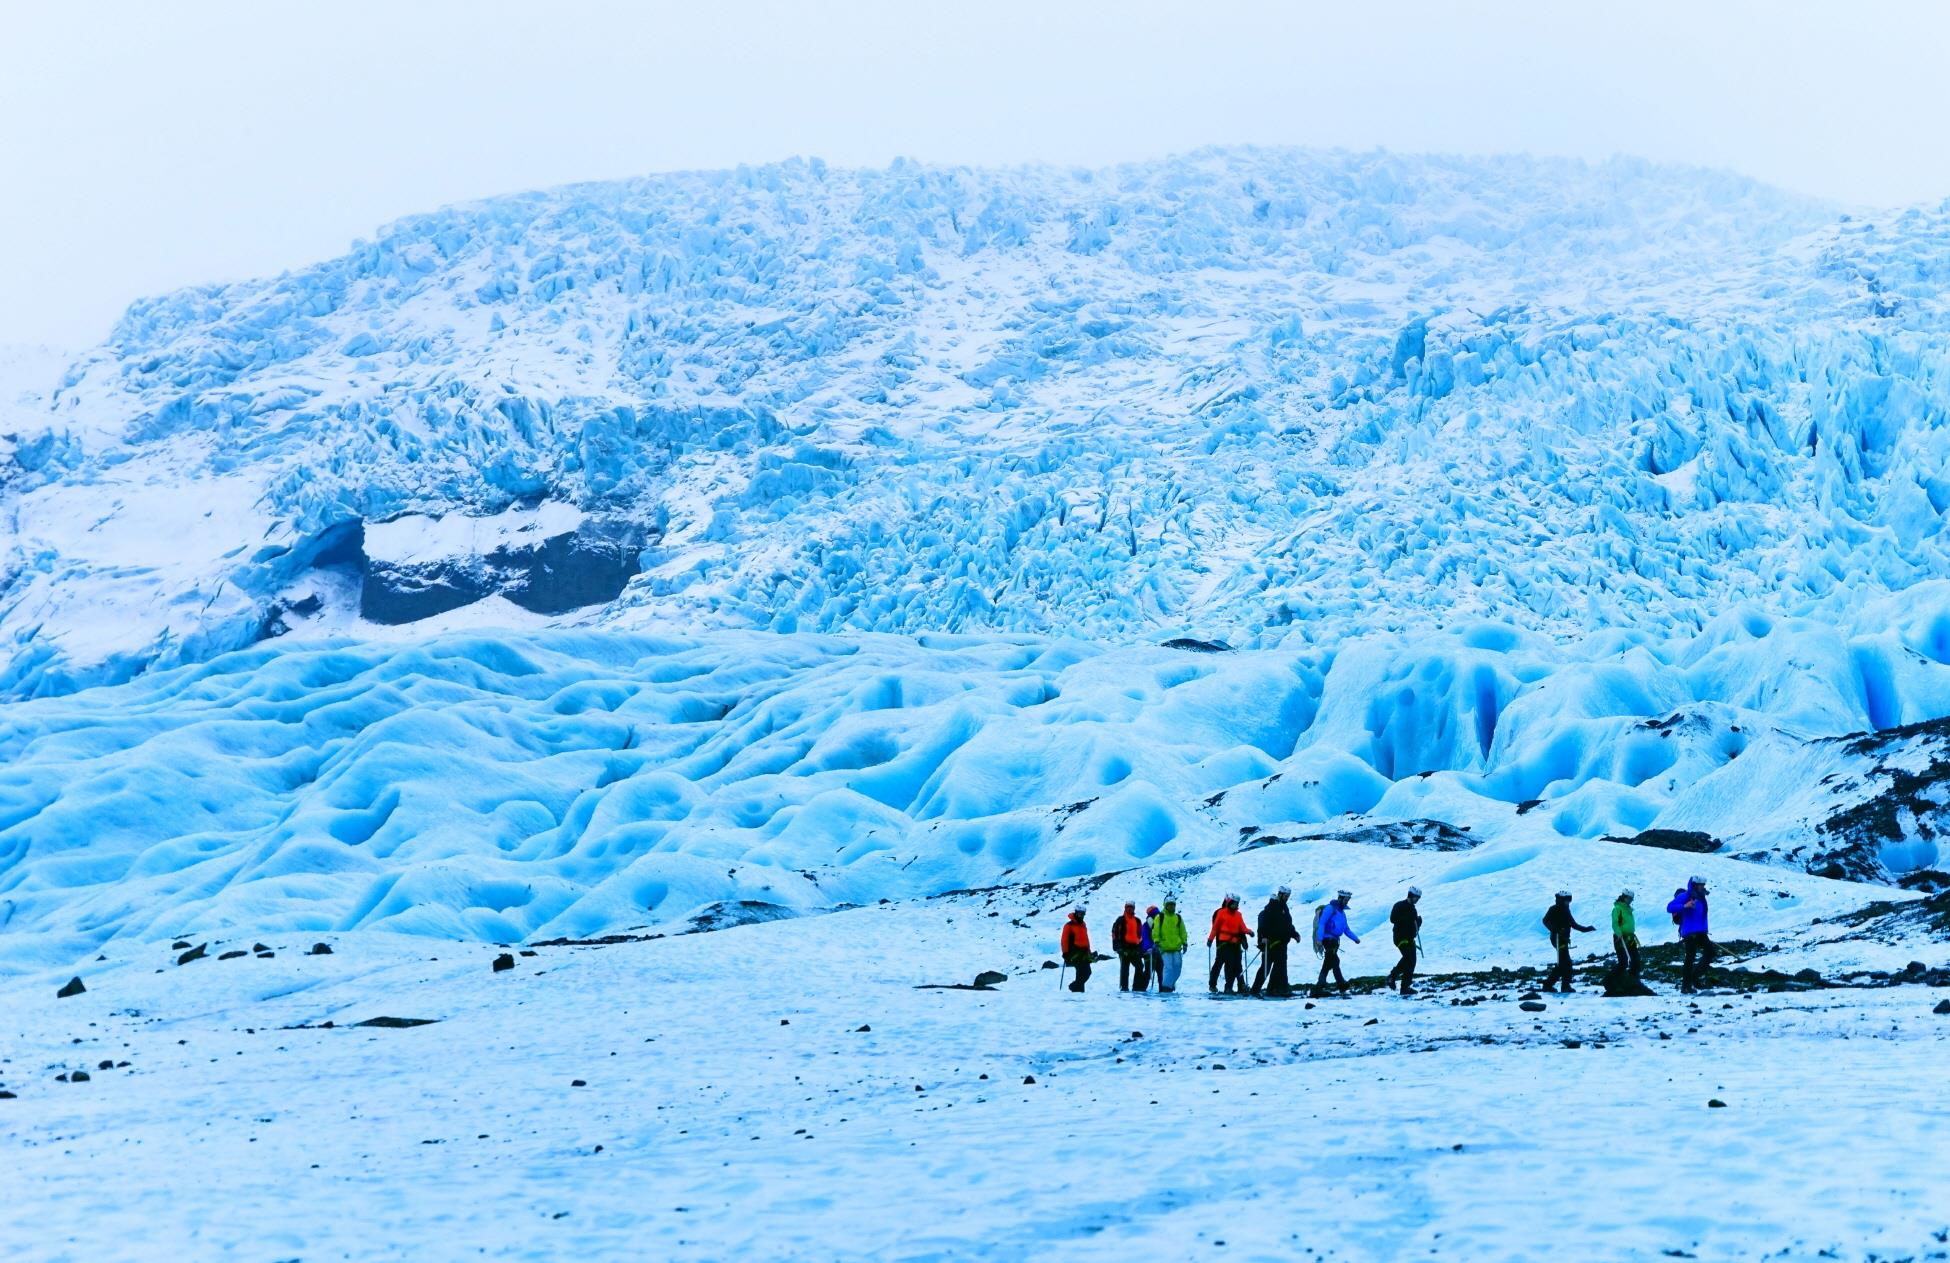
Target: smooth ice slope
point(571, 784)
point(1261, 396)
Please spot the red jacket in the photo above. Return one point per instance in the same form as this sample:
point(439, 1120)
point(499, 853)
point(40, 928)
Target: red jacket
point(1076, 937)
point(1126, 931)
point(1228, 927)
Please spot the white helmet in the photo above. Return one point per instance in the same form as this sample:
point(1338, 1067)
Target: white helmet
point(1414, 892)
point(1285, 891)
point(1563, 894)
point(1626, 895)
point(1343, 894)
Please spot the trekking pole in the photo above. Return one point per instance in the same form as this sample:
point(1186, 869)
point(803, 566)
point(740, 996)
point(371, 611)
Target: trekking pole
point(1061, 969)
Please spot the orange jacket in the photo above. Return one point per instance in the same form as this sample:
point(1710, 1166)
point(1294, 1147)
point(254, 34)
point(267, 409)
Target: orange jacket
point(1126, 931)
point(1076, 937)
point(1228, 927)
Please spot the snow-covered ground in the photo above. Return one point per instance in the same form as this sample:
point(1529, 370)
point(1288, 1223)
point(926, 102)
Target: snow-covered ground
point(782, 1091)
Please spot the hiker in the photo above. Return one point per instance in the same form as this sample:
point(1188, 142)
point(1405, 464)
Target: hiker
point(1124, 935)
point(1141, 976)
point(1230, 932)
point(1560, 922)
point(1330, 927)
point(1076, 948)
point(1275, 932)
point(1406, 924)
point(1688, 908)
point(1169, 936)
point(1625, 936)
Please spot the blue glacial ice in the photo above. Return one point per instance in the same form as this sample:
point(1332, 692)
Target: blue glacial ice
point(578, 560)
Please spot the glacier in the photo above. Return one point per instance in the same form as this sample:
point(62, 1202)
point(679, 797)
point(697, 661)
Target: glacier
point(515, 740)
point(603, 557)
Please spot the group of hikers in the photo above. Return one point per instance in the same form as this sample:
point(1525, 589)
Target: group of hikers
point(1154, 945)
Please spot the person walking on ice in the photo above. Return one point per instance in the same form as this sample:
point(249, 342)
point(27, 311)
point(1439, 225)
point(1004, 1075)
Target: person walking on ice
point(1169, 936)
point(1688, 909)
point(1230, 933)
point(1625, 936)
point(1559, 921)
point(1124, 935)
point(1330, 927)
point(1075, 948)
point(1276, 930)
point(1406, 924)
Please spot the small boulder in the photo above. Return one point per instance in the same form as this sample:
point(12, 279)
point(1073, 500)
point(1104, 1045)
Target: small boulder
point(6, 1095)
point(259, 948)
point(74, 987)
point(862, 1027)
point(79, 1076)
point(105, 1065)
point(179, 945)
point(1050, 964)
point(1530, 995)
point(578, 1083)
point(195, 953)
point(1808, 975)
point(1716, 1104)
point(1942, 1008)
point(320, 949)
point(233, 955)
point(1532, 1006)
point(503, 963)
point(1028, 1079)
point(988, 978)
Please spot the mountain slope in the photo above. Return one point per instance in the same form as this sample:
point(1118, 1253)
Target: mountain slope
point(1247, 395)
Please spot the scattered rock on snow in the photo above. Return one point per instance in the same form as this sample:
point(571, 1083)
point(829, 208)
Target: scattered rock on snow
point(1028, 1079)
point(79, 1076)
point(503, 963)
point(988, 978)
point(1716, 1104)
point(1530, 995)
point(578, 1083)
point(179, 945)
point(321, 949)
point(862, 1027)
point(74, 987)
point(1532, 1006)
point(233, 955)
point(195, 953)
point(1942, 1008)
point(397, 1023)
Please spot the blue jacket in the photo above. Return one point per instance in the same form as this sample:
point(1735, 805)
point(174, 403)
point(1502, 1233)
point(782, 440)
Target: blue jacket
point(1333, 924)
point(1691, 920)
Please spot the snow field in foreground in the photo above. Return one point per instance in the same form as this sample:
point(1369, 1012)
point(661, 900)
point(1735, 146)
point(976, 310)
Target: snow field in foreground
point(573, 784)
point(742, 1112)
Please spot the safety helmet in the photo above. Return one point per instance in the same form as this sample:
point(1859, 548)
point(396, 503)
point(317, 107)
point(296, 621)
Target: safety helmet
point(1563, 894)
point(1130, 903)
point(1231, 898)
point(1285, 891)
point(1077, 911)
point(1625, 895)
point(1414, 892)
point(1696, 881)
point(1343, 894)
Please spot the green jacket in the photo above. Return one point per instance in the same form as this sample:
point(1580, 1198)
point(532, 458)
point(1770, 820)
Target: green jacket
point(1623, 924)
point(1168, 932)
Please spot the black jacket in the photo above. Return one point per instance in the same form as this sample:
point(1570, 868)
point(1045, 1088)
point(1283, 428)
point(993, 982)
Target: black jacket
point(1276, 922)
point(1406, 920)
point(1560, 922)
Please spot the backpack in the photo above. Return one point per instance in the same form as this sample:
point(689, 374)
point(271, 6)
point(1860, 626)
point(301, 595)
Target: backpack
point(1320, 914)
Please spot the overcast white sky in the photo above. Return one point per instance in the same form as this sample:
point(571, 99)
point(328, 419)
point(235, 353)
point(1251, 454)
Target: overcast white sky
point(148, 145)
